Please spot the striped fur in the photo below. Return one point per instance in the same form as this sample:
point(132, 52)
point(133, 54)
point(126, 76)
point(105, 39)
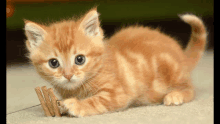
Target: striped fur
point(136, 66)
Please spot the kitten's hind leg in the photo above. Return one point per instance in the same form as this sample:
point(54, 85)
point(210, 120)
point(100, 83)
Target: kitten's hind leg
point(180, 93)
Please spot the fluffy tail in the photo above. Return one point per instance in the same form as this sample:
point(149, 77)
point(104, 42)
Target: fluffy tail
point(197, 42)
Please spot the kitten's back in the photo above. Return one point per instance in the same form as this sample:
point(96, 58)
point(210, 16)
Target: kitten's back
point(151, 41)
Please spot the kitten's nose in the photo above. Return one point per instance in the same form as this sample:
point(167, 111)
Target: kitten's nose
point(68, 76)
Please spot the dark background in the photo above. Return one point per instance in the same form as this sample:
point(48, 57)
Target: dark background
point(114, 15)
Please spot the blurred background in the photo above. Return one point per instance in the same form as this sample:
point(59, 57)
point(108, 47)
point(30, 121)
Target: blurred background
point(114, 15)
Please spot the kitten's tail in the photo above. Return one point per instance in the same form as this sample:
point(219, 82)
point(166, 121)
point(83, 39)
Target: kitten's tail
point(197, 42)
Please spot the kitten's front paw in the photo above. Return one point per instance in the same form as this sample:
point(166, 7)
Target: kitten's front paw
point(62, 108)
point(173, 98)
point(70, 106)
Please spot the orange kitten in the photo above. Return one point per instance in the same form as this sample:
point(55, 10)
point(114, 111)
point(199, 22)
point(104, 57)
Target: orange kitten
point(136, 66)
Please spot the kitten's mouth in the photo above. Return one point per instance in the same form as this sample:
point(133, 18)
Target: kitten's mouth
point(70, 81)
point(72, 84)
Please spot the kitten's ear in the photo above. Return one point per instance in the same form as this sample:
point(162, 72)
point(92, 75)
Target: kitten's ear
point(90, 23)
point(35, 34)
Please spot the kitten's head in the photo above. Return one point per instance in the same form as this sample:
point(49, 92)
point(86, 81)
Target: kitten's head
point(66, 53)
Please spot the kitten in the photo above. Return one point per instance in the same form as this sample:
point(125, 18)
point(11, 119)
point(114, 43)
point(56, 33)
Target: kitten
point(136, 66)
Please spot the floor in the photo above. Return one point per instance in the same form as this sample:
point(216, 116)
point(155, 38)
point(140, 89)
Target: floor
point(23, 105)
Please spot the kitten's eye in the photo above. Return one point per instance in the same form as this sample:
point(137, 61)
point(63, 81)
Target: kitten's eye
point(54, 63)
point(80, 59)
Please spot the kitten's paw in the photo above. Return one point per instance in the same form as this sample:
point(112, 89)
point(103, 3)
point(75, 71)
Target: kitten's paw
point(173, 98)
point(62, 108)
point(70, 106)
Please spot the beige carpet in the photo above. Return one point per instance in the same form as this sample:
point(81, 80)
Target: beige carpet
point(22, 79)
